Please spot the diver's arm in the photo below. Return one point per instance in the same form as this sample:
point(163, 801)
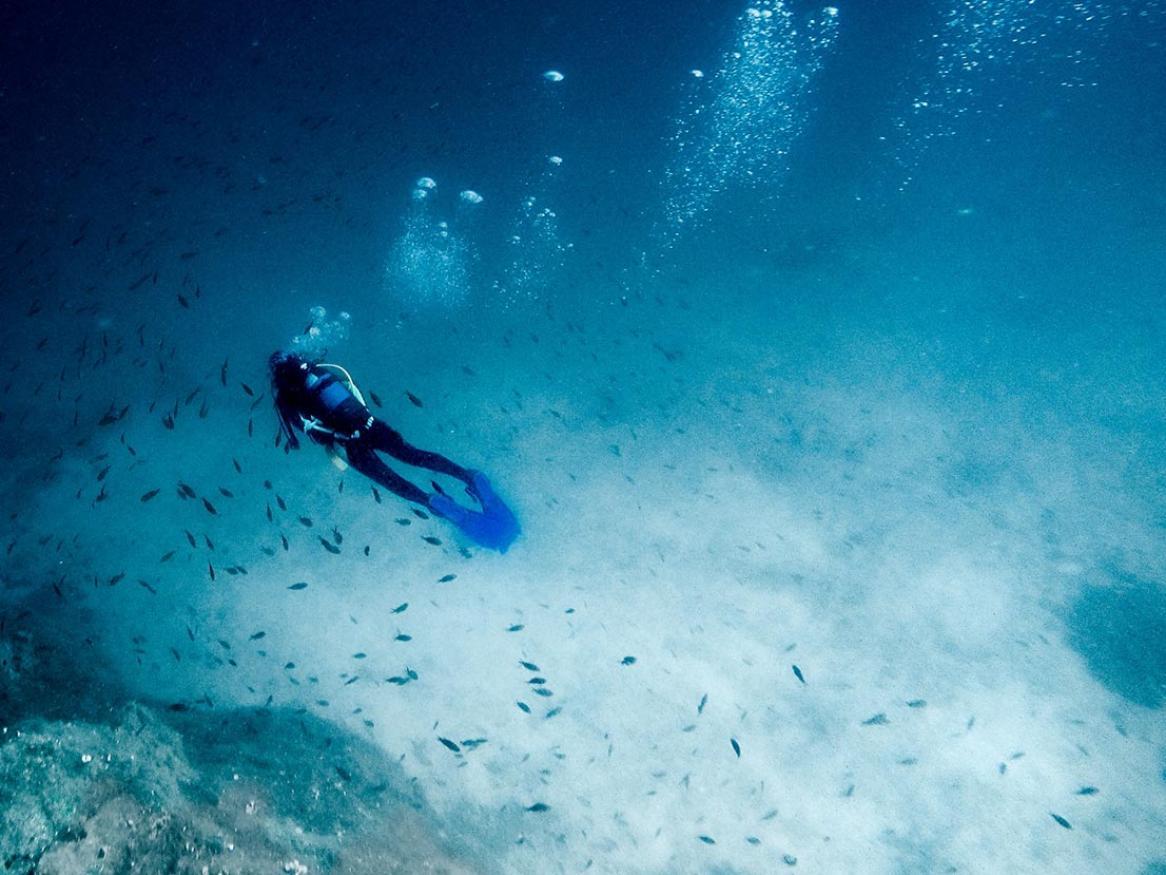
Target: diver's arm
point(287, 421)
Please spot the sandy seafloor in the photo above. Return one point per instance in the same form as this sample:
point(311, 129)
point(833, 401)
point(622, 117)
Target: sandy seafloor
point(842, 516)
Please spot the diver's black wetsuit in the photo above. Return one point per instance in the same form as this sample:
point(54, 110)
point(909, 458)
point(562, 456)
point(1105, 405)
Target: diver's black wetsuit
point(319, 404)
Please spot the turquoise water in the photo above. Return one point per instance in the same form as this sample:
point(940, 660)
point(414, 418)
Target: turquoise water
point(818, 350)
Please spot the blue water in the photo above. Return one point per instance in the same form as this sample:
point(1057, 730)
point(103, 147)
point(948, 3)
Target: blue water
point(817, 349)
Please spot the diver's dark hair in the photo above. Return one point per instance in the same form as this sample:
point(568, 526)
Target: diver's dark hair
point(283, 365)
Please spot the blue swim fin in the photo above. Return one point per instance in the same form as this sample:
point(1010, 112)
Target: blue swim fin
point(495, 526)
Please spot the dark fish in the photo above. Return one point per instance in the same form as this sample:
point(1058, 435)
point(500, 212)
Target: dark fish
point(210, 508)
point(403, 521)
point(258, 635)
point(185, 303)
point(429, 539)
point(329, 546)
point(226, 493)
point(300, 585)
point(1088, 791)
point(708, 840)
point(414, 399)
point(523, 707)
point(282, 504)
point(916, 703)
point(879, 719)
point(344, 775)
point(211, 569)
point(538, 807)
point(337, 537)
point(375, 399)
point(148, 587)
point(798, 674)
point(238, 467)
point(179, 707)
point(223, 372)
point(403, 637)
point(736, 747)
point(628, 660)
point(529, 666)
point(306, 521)
point(1061, 820)
point(117, 578)
point(359, 655)
point(247, 390)
point(446, 578)
point(400, 609)
point(166, 557)
point(704, 700)
point(148, 495)
point(186, 490)
point(376, 495)
point(190, 538)
point(452, 745)
point(517, 627)
point(283, 541)
point(543, 691)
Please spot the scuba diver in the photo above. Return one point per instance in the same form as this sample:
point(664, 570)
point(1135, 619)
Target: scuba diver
point(321, 401)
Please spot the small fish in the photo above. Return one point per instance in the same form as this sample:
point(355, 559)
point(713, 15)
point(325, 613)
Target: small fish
point(917, 703)
point(329, 546)
point(446, 578)
point(543, 691)
point(523, 707)
point(403, 637)
point(879, 719)
point(517, 627)
point(190, 538)
point(708, 840)
point(210, 508)
point(375, 399)
point(167, 556)
point(148, 587)
point(1088, 791)
point(704, 700)
point(306, 522)
point(400, 609)
point(247, 390)
point(736, 747)
point(211, 570)
point(298, 586)
point(429, 539)
point(798, 674)
point(628, 660)
point(1061, 820)
point(223, 372)
point(258, 635)
point(282, 504)
point(376, 494)
point(452, 745)
point(414, 399)
point(185, 303)
point(538, 807)
point(226, 493)
point(343, 773)
point(529, 666)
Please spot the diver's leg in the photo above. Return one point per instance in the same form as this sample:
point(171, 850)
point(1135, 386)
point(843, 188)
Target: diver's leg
point(383, 438)
point(364, 460)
